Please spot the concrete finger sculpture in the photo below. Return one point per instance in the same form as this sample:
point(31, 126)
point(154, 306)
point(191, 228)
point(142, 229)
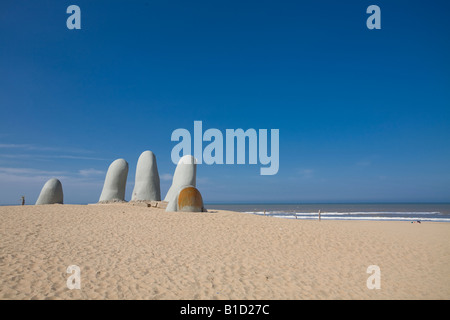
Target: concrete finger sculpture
point(146, 185)
point(185, 175)
point(188, 199)
point(51, 193)
point(115, 182)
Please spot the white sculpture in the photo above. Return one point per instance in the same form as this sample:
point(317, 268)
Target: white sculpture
point(115, 182)
point(185, 175)
point(51, 193)
point(146, 185)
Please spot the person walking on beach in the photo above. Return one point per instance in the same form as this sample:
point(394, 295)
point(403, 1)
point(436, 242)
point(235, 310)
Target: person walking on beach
point(23, 200)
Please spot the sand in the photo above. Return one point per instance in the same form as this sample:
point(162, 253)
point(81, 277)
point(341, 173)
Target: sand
point(132, 252)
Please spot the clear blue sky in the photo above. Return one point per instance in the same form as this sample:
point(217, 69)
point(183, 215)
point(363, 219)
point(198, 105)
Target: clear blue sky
point(364, 115)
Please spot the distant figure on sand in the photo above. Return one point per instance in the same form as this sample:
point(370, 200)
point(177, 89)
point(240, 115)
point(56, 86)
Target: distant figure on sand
point(23, 200)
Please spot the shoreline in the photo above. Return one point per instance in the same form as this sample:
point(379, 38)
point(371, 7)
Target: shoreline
point(337, 212)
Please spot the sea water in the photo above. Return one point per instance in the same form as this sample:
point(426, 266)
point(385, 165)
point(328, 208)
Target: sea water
point(438, 212)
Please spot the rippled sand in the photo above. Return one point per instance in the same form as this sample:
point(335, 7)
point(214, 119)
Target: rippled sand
point(132, 252)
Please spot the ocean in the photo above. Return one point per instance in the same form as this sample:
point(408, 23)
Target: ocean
point(437, 212)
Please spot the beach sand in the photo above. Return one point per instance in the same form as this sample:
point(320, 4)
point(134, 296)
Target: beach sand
point(134, 252)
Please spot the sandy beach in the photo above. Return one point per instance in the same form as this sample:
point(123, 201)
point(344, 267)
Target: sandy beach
point(134, 252)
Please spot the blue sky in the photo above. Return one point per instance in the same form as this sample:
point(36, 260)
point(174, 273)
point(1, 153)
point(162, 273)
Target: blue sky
point(364, 115)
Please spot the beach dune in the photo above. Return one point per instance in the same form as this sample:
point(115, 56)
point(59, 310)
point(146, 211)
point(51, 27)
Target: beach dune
point(135, 252)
